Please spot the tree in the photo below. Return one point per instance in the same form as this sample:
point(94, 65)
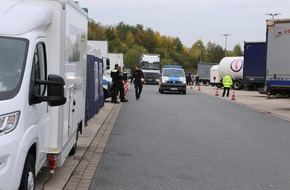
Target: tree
point(196, 51)
point(214, 53)
point(237, 51)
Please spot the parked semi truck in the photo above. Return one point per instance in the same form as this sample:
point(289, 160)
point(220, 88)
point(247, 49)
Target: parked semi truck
point(228, 65)
point(42, 86)
point(254, 65)
point(278, 57)
point(150, 65)
point(203, 70)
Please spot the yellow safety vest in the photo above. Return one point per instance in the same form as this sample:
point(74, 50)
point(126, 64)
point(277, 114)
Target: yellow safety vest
point(227, 81)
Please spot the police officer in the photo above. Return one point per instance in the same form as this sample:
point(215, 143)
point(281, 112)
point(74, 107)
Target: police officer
point(121, 86)
point(137, 77)
point(115, 87)
point(227, 83)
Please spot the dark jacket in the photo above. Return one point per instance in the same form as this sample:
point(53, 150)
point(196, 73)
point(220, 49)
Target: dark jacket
point(137, 77)
point(116, 77)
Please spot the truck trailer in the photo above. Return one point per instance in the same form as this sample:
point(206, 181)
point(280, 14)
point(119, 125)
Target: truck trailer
point(234, 67)
point(42, 86)
point(254, 65)
point(215, 79)
point(278, 57)
point(203, 70)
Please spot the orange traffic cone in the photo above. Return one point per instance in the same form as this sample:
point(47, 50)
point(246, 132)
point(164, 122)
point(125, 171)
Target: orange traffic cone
point(217, 92)
point(233, 96)
point(198, 88)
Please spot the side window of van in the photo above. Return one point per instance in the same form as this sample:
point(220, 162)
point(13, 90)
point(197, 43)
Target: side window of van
point(39, 69)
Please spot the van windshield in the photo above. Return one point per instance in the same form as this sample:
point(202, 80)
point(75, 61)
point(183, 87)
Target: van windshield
point(173, 72)
point(12, 61)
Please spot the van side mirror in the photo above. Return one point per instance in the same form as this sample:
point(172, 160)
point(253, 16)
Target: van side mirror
point(55, 91)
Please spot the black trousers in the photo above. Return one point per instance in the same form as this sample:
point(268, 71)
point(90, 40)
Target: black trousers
point(228, 91)
point(138, 90)
point(115, 90)
point(122, 92)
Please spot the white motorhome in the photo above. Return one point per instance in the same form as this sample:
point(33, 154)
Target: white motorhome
point(42, 86)
point(115, 58)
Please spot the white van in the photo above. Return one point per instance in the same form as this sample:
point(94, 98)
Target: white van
point(42, 66)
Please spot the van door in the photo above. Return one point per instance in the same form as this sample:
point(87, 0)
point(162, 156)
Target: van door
point(40, 116)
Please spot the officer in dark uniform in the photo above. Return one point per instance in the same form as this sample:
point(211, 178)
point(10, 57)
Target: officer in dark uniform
point(121, 86)
point(137, 77)
point(115, 86)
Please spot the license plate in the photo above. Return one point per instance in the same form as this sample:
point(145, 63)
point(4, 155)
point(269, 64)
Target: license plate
point(173, 88)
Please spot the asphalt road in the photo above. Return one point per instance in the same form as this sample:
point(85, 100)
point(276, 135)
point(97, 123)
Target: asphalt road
point(194, 141)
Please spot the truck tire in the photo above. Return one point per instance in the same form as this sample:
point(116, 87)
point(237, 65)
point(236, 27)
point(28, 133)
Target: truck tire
point(219, 85)
point(237, 85)
point(28, 175)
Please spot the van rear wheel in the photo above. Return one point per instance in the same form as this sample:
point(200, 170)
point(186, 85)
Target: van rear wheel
point(28, 175)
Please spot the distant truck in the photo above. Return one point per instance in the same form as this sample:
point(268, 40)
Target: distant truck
point(115, 58)
point(215, 79)
point(203, 70)
point(254, 73)
point(228, 65)
point(278, 57)
point(150, 65)
point(42, 86)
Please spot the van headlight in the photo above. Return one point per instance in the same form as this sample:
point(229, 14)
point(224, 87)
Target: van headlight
point(8, 122)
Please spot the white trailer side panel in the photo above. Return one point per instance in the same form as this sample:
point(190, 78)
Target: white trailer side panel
point(67, 56)
point(278, 48)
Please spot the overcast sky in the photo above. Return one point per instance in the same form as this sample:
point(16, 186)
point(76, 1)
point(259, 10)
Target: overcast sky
point(190, 20)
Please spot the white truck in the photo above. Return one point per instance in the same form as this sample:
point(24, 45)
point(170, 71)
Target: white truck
point(150, 65)
point(232, 66)
point(115, 58)
point(42, 86)
point(215, 79)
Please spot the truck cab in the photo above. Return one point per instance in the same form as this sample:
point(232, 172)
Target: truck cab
point(172, 79)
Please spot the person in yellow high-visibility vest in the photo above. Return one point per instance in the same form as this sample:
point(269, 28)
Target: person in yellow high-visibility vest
point(227, 83)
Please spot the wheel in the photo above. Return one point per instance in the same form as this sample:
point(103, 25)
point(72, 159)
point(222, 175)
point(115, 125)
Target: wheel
point(237, 85)
point(161, 91)
point(184, 92)
point(219, 85)
point(28, 175)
